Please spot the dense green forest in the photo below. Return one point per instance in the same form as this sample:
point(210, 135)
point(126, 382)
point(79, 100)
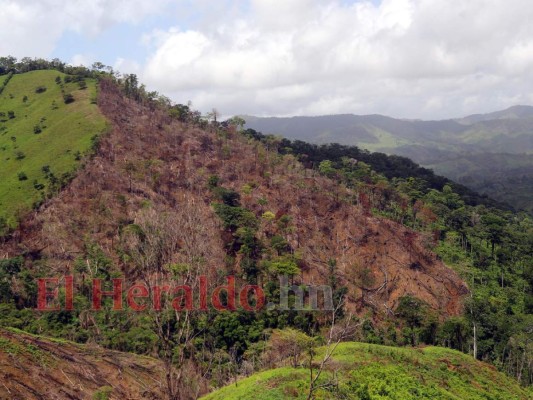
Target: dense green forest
point(490, 246)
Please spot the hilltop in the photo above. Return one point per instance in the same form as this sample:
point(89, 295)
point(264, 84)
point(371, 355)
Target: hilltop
point(365, 371)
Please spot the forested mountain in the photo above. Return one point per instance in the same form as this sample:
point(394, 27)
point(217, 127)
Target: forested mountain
point(167, 196)
point(490, 153)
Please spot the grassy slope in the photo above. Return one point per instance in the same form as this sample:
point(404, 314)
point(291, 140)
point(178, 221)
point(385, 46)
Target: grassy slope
point(379, 372)
point(69, 129)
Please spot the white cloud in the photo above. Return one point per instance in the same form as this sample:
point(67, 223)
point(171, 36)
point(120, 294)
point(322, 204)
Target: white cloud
point(411, 58)
point(126, 66)
point(405, 58)
point(33, 27)
point(81, 59)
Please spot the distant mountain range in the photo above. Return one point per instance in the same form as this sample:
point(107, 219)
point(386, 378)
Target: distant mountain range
point(491, 153)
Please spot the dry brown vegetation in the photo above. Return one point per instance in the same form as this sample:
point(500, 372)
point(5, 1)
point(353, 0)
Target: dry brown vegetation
point(148, 160)
point(36, 368)
point(152, 172)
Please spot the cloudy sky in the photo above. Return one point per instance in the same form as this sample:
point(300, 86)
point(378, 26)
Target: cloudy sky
point(426, 59)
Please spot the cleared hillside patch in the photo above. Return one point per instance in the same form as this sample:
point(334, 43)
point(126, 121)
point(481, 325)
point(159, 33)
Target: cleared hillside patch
point(37, 367)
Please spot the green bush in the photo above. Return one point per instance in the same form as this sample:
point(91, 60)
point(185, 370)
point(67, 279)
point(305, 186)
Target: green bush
point(213, 181)
point(37, 185)
point(228, 196)
point(104, 393)
point(235, 217)
point(11, 266)
point(279, 244)
point(68, 98)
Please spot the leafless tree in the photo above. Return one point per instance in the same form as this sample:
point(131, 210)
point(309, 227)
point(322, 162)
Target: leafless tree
point(336, 334)
point(166, 245)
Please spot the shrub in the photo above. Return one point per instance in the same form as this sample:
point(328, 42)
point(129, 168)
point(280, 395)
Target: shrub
point(284, 266)
point(19, 155)
point(247, 188)
point(228, 196)
point(40, 89)
point(11, 114)
point(231, 198)
point(269, 215)
point(37, 129)
point(235, 217)
point(37, 185)
point(22, 176)
point(288, 344)
point(11, 266)
point(104, 393)
point(68, 98)
point(213, 181)
point(279, 244)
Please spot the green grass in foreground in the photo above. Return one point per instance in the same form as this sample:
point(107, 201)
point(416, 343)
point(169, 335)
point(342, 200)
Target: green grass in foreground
point(379, 372)
point(44, 131)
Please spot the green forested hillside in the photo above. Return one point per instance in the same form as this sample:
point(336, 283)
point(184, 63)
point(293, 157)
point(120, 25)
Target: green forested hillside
point(47, 122)
point(365, 371)
point(489, 153)
point(504, 177)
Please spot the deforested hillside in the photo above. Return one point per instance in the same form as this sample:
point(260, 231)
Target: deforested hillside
point(149, 162)
point(35, 367)
point(172, 200)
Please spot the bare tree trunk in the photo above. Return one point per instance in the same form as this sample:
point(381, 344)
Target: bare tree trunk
point(331, 345)
point(475, 341)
